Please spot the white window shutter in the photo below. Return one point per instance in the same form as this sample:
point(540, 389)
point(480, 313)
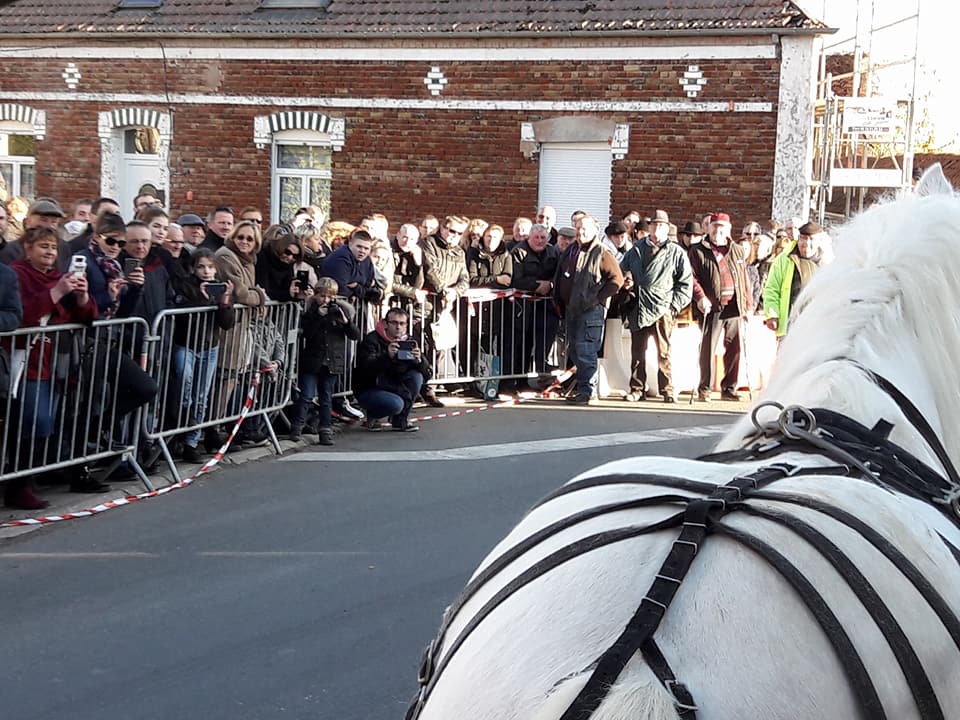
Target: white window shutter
point(576, 176)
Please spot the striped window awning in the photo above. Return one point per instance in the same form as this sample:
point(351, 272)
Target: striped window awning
point(37, 119)
point(265, 126)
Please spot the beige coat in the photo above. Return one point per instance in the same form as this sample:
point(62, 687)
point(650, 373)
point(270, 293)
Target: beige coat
point(236, 344)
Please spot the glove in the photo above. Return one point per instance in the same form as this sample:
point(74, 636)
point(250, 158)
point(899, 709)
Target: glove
point(704, 305)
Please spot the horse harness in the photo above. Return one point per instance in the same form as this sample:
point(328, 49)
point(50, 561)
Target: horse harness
point(861, 452)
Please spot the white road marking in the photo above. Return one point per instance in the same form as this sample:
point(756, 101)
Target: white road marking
point(500, 450)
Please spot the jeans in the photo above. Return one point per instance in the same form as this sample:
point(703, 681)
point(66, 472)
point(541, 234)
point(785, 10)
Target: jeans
point(584, 341)
point(38, 403)
point(318, 385)
point(194, 371)
point(380, 403)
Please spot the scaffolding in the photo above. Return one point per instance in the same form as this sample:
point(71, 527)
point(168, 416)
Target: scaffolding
point(864, 139)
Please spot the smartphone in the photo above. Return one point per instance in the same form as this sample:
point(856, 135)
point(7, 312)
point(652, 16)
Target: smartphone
point(129, 265)
point(405, 349)
point(216, 290)
point(78, 264)
point(303, 279)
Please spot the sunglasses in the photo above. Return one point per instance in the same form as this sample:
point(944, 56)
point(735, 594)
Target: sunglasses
point(451, 231)
point(245, 238)
point(291, 254)
point(112, 241)
point(258, 221)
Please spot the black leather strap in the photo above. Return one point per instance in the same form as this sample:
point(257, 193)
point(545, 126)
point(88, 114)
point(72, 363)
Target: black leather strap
point(917, 680)
point(697, 521)
point(869, 702)
point(686, 707)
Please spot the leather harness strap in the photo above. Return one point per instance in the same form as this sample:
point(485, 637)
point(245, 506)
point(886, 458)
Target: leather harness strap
point(867, 452)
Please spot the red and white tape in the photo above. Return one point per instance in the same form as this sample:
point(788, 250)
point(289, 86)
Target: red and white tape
point(130, 499)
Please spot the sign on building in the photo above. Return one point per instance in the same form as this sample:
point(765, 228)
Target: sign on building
point(875, 117)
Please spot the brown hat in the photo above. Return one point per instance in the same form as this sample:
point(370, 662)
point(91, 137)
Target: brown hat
point(567, 232)
point(810, 228)
point(660, 216)
point(692, 228)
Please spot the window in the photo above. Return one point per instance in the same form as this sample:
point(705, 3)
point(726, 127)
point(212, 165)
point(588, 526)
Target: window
point(301, 173)
point(576, 176)
point(18, 164)
point(141, 141)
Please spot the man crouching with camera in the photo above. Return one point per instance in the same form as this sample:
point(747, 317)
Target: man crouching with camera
point(389, 373)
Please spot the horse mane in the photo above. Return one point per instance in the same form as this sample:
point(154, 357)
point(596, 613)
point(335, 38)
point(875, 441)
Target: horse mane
point(889, 302)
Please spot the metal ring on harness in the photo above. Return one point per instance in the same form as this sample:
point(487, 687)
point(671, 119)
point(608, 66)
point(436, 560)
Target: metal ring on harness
point(796, 418)
point(765, 427)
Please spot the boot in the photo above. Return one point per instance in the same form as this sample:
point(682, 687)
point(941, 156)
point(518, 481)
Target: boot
point(429, 396)
point(326, 436)
point(21, 497)
point(296, 433)
point(212, 439)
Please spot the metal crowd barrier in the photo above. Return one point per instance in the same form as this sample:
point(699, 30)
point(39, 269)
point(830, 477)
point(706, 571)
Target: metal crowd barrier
point(204, 371)
point(70, 399)
point(499, 335)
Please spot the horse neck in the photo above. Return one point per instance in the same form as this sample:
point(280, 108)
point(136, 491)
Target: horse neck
point(837, 381)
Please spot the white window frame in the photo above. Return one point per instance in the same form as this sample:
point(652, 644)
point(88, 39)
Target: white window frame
point(11, 127)
point(308, 138)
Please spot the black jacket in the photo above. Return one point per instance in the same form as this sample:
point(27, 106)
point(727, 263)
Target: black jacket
point(375, 368)
point(212, 241)
point(530, 267)
point(323, 339)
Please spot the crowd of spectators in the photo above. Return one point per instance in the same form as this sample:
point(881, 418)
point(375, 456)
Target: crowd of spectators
point(90, 263)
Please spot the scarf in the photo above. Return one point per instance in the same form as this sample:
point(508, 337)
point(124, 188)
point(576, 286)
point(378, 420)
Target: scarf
point(110, 266)
point(381, 328)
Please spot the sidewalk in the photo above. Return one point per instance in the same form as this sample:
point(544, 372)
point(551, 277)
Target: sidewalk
point(63, 502)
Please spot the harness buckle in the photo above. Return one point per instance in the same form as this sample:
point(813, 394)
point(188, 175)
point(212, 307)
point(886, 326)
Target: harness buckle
point(696, 548)
point(787, 469)
point(672, 686)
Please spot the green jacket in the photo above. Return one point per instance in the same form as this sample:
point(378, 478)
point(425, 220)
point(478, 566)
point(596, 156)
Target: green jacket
point(663, 282)
point(776, 293)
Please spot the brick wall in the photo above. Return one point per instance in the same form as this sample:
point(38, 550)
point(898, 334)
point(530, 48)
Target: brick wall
point(407, 162)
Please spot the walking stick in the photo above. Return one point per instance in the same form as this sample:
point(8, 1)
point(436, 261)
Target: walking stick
point(746, 355)
point(696, 387)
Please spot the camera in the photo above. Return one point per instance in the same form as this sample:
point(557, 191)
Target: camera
point(215, 290)
point(78, 265)
point(129, 265)
point(405, 349)
point(303, 279)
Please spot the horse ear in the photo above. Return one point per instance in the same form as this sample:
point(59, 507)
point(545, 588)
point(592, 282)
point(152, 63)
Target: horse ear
point(934, 182)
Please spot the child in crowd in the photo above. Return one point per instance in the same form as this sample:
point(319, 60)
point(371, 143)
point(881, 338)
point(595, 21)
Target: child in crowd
point(196, 344)
point(327, 323)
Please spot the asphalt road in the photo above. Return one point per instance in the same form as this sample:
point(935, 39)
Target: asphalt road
point(294, 588)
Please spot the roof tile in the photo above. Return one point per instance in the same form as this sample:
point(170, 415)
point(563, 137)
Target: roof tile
point(396, 17)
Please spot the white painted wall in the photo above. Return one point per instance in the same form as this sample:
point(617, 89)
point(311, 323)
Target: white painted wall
point(794, 153)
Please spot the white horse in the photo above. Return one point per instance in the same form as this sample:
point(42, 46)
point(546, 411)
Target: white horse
point(872, 634)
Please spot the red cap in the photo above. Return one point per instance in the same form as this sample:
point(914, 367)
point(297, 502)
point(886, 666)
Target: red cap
point(719, 218)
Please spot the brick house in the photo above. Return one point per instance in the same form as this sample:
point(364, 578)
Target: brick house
point(482, 108)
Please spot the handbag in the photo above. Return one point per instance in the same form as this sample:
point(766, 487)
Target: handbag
point(444, 331)
point(17, 370)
